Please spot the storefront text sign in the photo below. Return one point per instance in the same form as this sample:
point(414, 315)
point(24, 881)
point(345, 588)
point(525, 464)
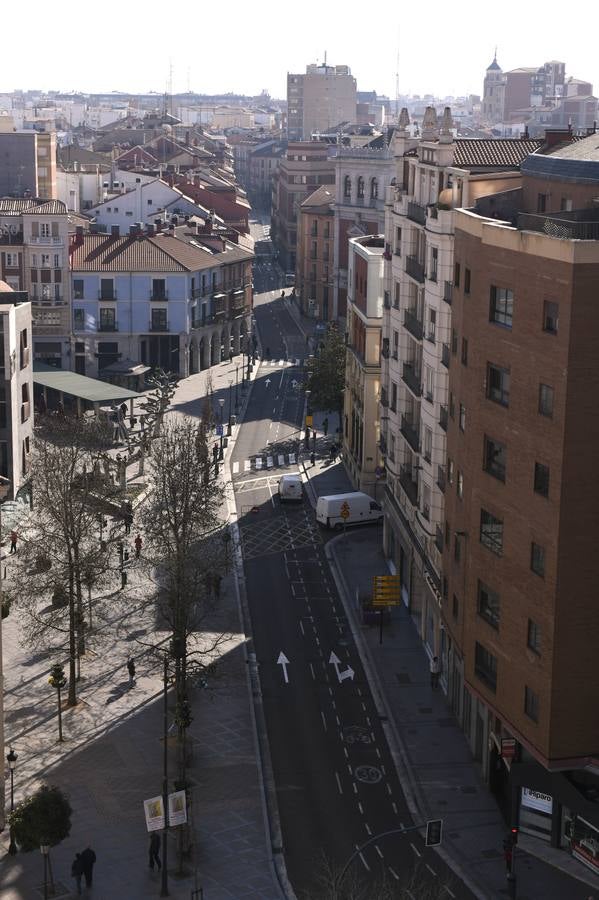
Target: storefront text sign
point(537, 800)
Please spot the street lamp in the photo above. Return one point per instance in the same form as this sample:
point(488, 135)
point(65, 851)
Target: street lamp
point(11, 759)
point(243, 347)
point(237, 388)
point(221, 403)
point(307, 393)
point(45, 848)
point(230, 399)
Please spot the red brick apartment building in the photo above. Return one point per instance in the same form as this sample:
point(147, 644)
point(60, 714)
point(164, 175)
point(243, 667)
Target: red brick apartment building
point(521, 567)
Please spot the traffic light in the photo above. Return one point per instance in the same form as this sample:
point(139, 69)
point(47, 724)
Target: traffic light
point(514, 836)
point(434, 827)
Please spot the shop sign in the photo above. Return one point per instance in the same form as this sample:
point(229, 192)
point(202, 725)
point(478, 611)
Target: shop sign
point(537, 800)
point(508, 748)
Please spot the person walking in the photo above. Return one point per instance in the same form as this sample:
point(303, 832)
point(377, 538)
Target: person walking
point(138, 545)
point(88, 859)
point(77, 871)
point(131, 670)
point(435, 670)
point(325, 426)
point(13, 541)
point(154, 851)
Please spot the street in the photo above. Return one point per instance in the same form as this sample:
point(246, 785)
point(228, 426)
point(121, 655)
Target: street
point(335, 779)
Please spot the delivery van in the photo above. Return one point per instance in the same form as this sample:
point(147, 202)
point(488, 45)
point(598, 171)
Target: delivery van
point(360, 507)
point(290, 488)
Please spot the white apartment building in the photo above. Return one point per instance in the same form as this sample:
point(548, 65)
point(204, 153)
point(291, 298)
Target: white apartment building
point(141, 202)
point(16, 390)
point(434, 175)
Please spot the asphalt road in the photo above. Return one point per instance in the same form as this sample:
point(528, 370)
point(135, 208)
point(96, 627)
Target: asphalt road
point(335, 779)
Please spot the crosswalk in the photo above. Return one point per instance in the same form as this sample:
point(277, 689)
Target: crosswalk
point(257, 463)
point(282, 362)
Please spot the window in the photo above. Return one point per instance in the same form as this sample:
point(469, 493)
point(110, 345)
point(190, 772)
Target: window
point(450, 470)
point(347, 187)
point(393, 396)
point(464, 351)
point(3, 418)
point(451, 405)
point(45, 261)
point(107, 320)
point(447, 532)
point(454, 341)
point(462, 417)
point(502, 306)
point(460, 485)
point(159, 322)
point(360, 188)
point(78, 319)
point(456, 275)
point(426, 501)
point(12, 260)
point(398, 241)
point(541, 203)
point(494, 458)
point(546, 400)
point(498, 384)
point(550, 316)
point(78, 289)
point(485, 666)
point(457, 548)
point(455, 607)
point(491, 532)
point(541, 480)
point(57, 261)
point(533, 637)
point(45, 229)
point(374, 189)
point(396, 295)
point(565, 204)
point(428, 443)
point(395, 345)
point(537, 559)
point(434, 264)
point(432, 325)
point(466, 281)
point(107, 289)
point(531, 704)
point(488, 604)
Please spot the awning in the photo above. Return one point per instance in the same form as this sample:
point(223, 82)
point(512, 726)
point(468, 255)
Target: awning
point(91, 389)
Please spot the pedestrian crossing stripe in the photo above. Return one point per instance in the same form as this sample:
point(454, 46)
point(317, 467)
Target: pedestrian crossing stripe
point(235, 468)
point(282, 362)
point(281, 459)
point(247, 465)
point(269, 462)
point(292, 459)
point(258, 462)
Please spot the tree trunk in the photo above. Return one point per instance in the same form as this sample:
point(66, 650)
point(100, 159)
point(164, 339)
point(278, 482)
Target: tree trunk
point(72, 699)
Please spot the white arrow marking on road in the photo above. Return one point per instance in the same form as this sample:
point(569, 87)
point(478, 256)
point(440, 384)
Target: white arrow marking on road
point(341, 676)
point(284, 662)
point(267, 382)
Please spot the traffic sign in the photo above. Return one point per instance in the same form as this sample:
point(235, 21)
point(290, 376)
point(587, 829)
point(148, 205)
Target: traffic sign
point(344, 510)
point(309, 420)
point(386, 590)
point(219, 430)
point(434, 829)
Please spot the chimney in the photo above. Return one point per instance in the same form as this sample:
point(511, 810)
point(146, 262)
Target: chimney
point(132, 230)
point(158, 224)
point(150, 230)
point(115, 231)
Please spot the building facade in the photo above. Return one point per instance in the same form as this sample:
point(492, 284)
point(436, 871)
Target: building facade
point(16, 391)
point(313, 279)
point(363, 362)
point(317, 101)
point(520, 505)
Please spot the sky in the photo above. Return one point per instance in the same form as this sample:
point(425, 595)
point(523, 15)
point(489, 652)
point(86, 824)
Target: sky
point(245, 47)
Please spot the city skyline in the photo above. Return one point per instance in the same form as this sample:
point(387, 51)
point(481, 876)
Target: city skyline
point(427, 62)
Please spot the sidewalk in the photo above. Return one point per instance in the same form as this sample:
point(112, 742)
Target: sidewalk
point(435, 766)
point(111, 759)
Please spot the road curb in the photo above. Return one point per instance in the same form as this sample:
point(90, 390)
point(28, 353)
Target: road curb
point(412, 793)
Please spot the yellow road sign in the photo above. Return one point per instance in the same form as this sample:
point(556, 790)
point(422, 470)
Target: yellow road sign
point(344, 510)
point(309, 420)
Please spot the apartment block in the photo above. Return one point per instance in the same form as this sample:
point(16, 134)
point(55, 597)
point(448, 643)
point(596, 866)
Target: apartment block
point(28, 164)
point(323, 97)
point(315, 253)
point(16, 391)
point(519, 557)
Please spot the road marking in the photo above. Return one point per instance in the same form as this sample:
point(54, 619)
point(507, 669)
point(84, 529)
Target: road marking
point(378, 752)
point(312, 670)
point(324, 721)
point(345, 750)
point(235, 468)
point(338, 782)
point(283, 662)
point(394, 807)
point(431, 870)
point(338, 720)
point(361, 808)
point(389, 791)
point(292, 459)
point(451, 893)
point(378, 850)
point(415, 849)
point(394, 873)
point(281, 459)
point(366, 866)
point(282, 377)
point(269, 462)
point(301, 626)
point(258, 462)
point(247, 465)
point(364, 707)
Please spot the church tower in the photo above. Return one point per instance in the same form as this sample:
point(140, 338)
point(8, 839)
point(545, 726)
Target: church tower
point(493, 93)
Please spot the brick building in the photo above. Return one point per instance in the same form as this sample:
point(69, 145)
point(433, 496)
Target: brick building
point(315, 253)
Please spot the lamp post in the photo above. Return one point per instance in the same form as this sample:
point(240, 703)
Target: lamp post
point(11, 759)
point(57, 680)
point(230, 410)
point(243, 343)
point(307, 393)
point(45, 848)
point(221, 403)
point(237, 388)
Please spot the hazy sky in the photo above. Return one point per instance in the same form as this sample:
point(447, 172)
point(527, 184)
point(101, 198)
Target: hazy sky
point(247, 46)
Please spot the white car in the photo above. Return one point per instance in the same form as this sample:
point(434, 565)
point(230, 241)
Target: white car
point(290, 488)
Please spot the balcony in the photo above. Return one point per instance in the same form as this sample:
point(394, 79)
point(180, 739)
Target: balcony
point(410, 431)
point(445, 355)
point(160, 296)
point(108, 326)
point(413, 324)
point(448, 292)
point(415, 269)
point(385, 348)
point(441, 478)
point(416, 212)
point(443, 417)
point(439, 539)
point(411, 377)
point(158, 325)
point(407, 483)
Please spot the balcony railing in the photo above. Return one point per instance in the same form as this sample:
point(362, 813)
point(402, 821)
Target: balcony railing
point(108, 326)
point(412, 378)
point(158, 325)
point(416, 212)
point(443, 417)
point(385, 349)
point(407, 483)
point(566, 226)
point(107, 295)
point(413, 324)
point(448, 292)
point(445, 355)
point(159, 295)
point(439, 539)
point(415, 269)
point(410, 431)
point(441, 478)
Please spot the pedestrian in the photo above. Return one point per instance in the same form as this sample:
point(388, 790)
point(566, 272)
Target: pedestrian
point(131, 670)
point(155, 850)
point(138, 545)
point(88, 858)
point(435, 670)
point(332, 452)
point(13, 541)
point(123, 409)
point(77, 871)
point(217, 578)
point(325, 426)
point(312, 459)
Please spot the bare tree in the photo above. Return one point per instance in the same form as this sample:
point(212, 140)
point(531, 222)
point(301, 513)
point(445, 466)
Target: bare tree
point(60, 549)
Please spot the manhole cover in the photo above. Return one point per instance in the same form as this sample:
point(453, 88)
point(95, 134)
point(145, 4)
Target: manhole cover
point(368, 774)
point(355, 734)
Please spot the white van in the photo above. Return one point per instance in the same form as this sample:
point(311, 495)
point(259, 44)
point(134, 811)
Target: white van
point(290, 487)
point(362, 509)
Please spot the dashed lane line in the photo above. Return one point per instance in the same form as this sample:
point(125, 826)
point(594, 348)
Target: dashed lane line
point(338, 782)
point(363, 858)
point(324, 721)
point(431, 870)
point(415, 849)
point(378, 850)
point(394, 873)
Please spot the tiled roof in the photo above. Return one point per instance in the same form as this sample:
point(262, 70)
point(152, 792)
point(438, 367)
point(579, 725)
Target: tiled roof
point(320, 197)
point(492, 154)
point(14, 206)
point(48, 208)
